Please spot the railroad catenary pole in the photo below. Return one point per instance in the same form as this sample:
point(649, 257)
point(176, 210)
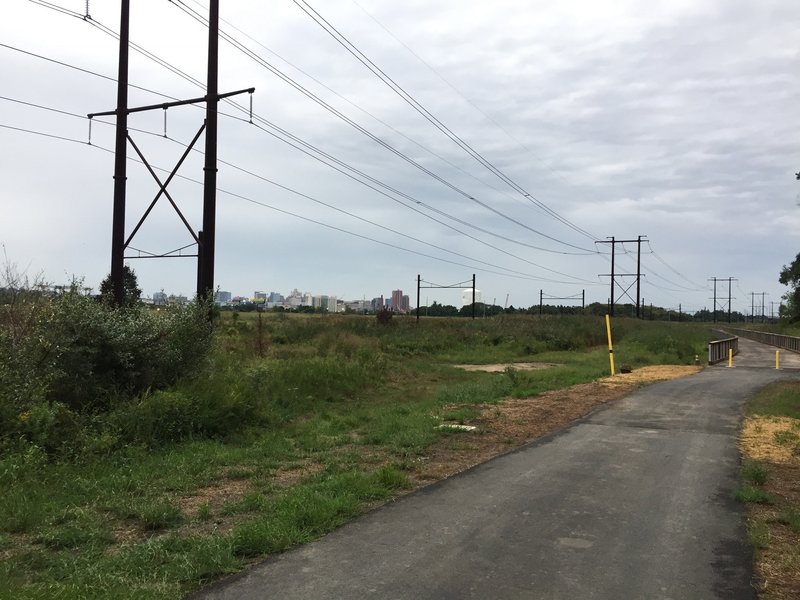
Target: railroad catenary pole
point(419, 282)
point(473, 295)
point(205, 284)
point(540, 302)
point(120, 160)
point(638, 273)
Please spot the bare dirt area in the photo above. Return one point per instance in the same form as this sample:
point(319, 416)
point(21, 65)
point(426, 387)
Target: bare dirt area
point(501, 367)
point(775, 443)
point(514, 422)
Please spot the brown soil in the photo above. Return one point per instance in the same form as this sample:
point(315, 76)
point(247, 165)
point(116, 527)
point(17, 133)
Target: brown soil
point(514, 422)
point(777, 566)
point(499, 368)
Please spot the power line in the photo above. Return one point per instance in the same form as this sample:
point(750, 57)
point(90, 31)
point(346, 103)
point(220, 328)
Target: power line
point(281, 75)
point(417, 106)
point(270, 67)
point(396, 200)
point(510, 272)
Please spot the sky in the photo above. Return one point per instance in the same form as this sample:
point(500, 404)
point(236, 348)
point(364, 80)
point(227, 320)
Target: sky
point(568, 123)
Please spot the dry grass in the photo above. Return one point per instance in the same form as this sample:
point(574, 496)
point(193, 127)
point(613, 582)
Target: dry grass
point(777, 564)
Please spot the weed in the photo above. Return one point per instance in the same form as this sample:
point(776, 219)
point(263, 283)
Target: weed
point(791, 518)
point(785, 437)
point(754, 473)
point(755, 495)
point(758, 533)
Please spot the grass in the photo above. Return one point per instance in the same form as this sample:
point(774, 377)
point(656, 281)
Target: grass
point(774, 531)
point(262, 453)
point(780, 399)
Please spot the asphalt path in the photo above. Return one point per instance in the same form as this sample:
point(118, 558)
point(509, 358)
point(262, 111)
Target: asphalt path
point(632, 502)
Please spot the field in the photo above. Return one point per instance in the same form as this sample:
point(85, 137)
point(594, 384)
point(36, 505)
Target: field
point(295, 425)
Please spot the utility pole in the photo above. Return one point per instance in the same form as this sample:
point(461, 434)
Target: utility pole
point(716, 306)
point(752, 307)
point(614, 275)
point(715, 300)
point(419, 283)
point(762, 305)
point(540, 302)
point(205, 250)
point(473, 296)
point(204, 239)
point(120, 160)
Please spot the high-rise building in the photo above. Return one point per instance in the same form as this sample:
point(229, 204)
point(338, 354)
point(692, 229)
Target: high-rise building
point(406, 304)
point(221, 297)
point(377, 304)
point(397, 301)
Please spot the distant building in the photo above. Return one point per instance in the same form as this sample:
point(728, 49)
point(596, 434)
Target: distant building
point(259, 296)
point(406, 304)
point(159, 298)
point(220, 297)
point(377, 304)
point(466, 296)
point(397, 301)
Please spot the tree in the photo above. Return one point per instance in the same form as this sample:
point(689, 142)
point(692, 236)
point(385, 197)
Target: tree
point(791, 276)
point(131, 291)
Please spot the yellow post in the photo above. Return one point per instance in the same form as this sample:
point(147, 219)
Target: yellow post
point(730, 357)
point(610, 345)
point(777, 359)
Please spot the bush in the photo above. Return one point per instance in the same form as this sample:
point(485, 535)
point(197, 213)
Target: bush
point(76, 358)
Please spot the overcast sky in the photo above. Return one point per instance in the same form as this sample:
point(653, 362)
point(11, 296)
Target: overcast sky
point(676, 120)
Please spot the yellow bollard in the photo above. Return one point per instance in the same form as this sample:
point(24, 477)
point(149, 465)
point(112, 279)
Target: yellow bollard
point(730, 357)
point(777, 359)
point(610, 346)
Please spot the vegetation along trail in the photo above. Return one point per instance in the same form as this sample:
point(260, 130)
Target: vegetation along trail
point(147, 455)
point(633, 501)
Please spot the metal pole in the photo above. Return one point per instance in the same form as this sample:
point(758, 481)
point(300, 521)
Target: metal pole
point(540, 303)
point(762, 305)
point(611, 307)
point(473, 295)
point(583, 299)
point(715, 299)
point(729, 299)
point(752, 307)
point(205, 283)
point(419, 281)
point(120, 160)
point(638, 272)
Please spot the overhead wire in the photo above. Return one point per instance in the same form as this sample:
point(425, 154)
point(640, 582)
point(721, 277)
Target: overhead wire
point(200, 84)
point(366, 112)
point(313, 97)
point(578, 279)
point(466, 98)
point(521, 274)
point(418, 107)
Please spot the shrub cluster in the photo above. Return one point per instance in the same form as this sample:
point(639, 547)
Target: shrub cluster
point(65, 360)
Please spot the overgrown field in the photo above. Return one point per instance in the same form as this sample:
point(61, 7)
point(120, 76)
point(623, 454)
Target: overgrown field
point(135, 482)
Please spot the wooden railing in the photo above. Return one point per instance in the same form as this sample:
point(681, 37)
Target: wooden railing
point(787, 342)
point(719, 350)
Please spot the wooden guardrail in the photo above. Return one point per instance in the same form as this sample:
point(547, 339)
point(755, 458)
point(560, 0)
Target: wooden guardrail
point(787, 342)
point(719, 350)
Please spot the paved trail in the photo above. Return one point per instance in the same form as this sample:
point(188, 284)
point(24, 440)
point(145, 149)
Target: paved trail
point(633, 502)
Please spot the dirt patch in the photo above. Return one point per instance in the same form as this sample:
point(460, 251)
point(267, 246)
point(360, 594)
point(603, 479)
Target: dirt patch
point(514, 422)
point(292, 475)
point(773, 441)
point(213, 496)
point(501, 367)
